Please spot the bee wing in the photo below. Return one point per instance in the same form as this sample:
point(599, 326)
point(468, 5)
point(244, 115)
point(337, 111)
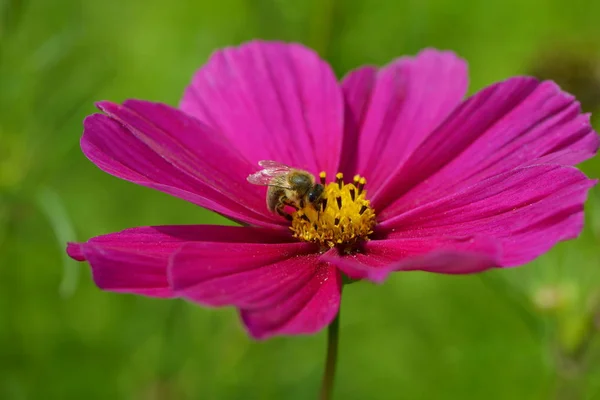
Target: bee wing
point(270, 164)
point(271, 170)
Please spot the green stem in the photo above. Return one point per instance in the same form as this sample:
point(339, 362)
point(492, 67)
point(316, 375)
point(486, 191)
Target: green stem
point(331, 360)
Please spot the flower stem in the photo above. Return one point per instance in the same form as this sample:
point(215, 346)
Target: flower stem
point(331, 360)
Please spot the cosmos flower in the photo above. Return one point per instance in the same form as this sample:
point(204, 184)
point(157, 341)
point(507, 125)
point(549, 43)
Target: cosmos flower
point(416, 179)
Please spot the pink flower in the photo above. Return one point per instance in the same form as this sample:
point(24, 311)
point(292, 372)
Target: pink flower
point(455, 186)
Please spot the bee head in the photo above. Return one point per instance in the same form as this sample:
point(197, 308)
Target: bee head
point(315, 193)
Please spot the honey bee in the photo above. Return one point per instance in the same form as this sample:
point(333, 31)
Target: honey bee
point(287, 187)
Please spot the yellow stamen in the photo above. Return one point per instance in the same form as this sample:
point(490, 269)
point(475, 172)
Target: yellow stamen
point(322, 177)
point(343, 217)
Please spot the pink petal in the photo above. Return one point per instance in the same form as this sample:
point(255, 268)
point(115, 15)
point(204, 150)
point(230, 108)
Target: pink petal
point(280, 288)
point(154, 145)
point(306, 311)
point(527, 210)
point(357, 87)
point(245, 275)
point(447, 255)
point(393, 110)
point(135, 260)
point(273, 101)
point(514, 123)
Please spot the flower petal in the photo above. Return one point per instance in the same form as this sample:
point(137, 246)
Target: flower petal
point(446, 255)
point(357, 87)
point(514, 123)
point(306, 311)
point(280, 288)
point(154, 145)
point(136, 260)
point(273, 101)
point(396, 108)
point(244, 276)
point(528, 210)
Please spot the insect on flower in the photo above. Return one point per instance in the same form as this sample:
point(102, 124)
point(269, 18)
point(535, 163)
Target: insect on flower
point(389, 170)
point(287, 187)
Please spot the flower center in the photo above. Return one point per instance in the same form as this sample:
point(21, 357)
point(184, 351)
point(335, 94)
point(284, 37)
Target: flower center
point(342, 218)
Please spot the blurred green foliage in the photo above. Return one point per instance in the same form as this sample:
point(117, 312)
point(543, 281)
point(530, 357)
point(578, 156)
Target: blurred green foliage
point(526, 333)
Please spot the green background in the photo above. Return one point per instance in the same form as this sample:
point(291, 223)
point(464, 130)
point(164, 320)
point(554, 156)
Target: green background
point(526, 333)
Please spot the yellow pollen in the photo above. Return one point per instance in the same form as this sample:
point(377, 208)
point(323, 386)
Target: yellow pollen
point(343, 217)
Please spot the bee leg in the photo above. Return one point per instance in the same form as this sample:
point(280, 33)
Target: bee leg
point(284, 214)
point(319, 205)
